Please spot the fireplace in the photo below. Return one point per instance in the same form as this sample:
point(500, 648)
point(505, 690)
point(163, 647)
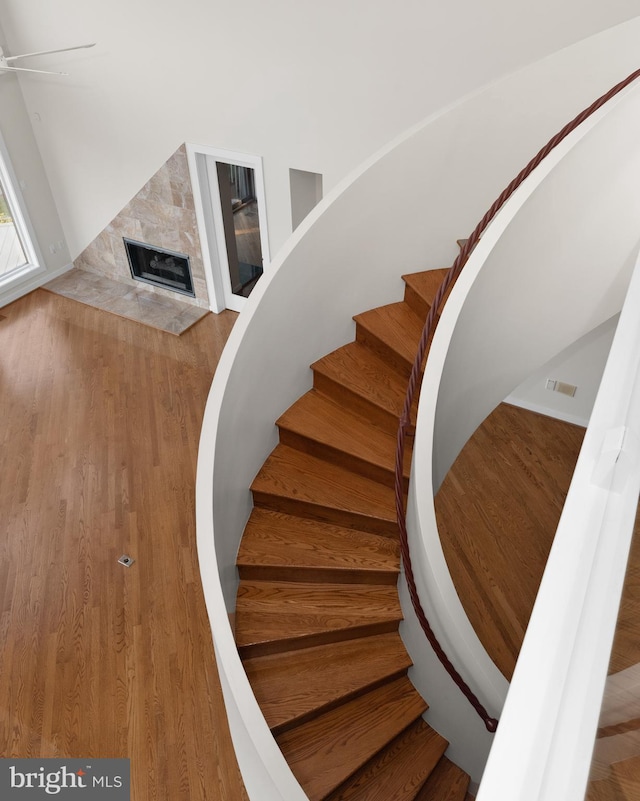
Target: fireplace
point(162, 268)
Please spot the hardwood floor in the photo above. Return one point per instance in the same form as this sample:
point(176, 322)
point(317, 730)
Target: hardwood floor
point(497, 512)
point(100, 420)
point(98, 441)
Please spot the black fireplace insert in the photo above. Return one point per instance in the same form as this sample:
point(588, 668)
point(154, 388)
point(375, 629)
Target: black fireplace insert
point(163, 268)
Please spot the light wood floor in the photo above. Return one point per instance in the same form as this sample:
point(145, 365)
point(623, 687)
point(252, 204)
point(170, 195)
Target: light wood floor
point(99, 427)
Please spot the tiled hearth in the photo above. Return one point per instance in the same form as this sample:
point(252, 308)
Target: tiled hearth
point(161, 215)
point(158, 311)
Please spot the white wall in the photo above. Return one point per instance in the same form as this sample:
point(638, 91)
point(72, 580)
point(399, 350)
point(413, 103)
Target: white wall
point(560, 269)
point(581, 364)
point(32, 184)
point(314, 86)
point(552, 266)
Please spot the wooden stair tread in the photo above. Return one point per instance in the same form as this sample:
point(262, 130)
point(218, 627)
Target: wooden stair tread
point(399, 770)
point(326, 429)
point(294, 686)
point(326, 751)
point(421, 289)
point(625, 778)
point(447, 782)
point(272, 616)
point(282, 547)
point(317, 609)
point(393, 331)
point(329, 492)
point(355, 374)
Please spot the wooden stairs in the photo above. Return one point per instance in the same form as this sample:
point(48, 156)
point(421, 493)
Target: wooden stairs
point(317, 609)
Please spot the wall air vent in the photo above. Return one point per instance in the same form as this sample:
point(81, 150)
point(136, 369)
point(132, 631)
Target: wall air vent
point(561, 387)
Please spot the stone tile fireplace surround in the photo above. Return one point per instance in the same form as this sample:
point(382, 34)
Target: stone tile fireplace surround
point(161, 215)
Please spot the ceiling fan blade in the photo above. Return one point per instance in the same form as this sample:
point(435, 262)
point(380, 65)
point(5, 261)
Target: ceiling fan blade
point(48, 52)
point(26, 69)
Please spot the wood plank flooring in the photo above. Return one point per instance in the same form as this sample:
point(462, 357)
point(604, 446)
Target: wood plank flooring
point(98, 441)
point(99, 428)
point(497, 513)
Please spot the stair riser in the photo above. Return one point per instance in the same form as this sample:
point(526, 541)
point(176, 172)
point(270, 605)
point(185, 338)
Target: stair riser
point(384, 475)
point(378, 416)
point(318, 575)
point(386, 528)
point(294, 687)
point(394, 359)
point(417, 751)
point(321, 638)
point(419, 305)
point(337, 702)
point(346, 716)
point(446, 783)
point(348, 737)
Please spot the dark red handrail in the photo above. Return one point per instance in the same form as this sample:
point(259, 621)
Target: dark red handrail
point(429, 327)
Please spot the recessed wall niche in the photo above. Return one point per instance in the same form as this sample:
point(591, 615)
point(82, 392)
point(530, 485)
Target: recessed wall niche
point(161, 215)
point(306, 192)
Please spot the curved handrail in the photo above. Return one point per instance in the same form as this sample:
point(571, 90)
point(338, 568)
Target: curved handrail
point(405, 426)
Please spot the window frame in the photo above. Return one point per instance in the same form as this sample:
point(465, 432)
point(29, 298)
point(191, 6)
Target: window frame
point(21, 221)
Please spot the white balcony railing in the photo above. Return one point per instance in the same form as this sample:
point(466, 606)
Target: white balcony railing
point(542, 751)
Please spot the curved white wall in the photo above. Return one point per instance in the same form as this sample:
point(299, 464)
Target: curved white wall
point(560, 269)
point(553, 265)
point(349, 254)
point(347, 257)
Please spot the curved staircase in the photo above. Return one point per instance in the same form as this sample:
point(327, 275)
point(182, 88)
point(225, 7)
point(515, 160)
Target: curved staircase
point(317, 609)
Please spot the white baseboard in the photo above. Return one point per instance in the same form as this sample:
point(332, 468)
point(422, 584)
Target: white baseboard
point(548, 411)
point(16, 290)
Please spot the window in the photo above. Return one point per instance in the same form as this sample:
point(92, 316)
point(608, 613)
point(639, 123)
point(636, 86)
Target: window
point(11, 250)
point(17, 253)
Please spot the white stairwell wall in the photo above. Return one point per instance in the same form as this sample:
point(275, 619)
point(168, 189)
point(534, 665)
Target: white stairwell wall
point(580, 365)
point(553, 266)
point(345, 258)
point(560, 269)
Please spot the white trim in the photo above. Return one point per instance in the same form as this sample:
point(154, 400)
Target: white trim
point(206, 197)
point(30, 280)
point(566, 417)
point(24, 228)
